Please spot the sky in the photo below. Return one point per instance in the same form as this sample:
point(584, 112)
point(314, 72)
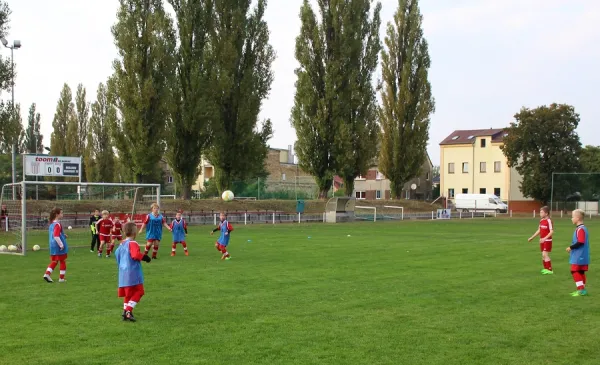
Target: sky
point(490, 58)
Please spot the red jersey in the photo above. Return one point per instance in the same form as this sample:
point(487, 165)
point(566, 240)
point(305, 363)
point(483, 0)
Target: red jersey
point(104, 227)
point(117, 226)
point(545, 228)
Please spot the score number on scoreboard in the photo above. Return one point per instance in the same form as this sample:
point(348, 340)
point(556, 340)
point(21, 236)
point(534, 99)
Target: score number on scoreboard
point(52, 166)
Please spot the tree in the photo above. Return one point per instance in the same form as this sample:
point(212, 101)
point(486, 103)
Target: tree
point(140, 85)
point(100, 159)
point(360, 50)
point(539, 142)
point(6, 110)
point(240, 81)
point(407, 101)
point(590, 159)
point(317, 115)
point(60, 123)
point(188, 128)
point(33, 137)
point(13, 132)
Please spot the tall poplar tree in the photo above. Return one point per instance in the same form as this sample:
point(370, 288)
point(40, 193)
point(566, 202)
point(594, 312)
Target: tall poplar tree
point(407, 101)
point(33, 136)
point(140, 87)
point(64, 112)
point(360, 50)
point(100, 159)
point(318, 114)
point(240, 81)
point(188, 127)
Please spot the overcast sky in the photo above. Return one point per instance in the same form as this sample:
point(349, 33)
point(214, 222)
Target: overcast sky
point(489, 58)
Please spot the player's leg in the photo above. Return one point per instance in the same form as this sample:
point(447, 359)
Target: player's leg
point(63, 270)
point(173, 248)
point(578, 277)
point(93, 242)
point(225, 253)
point(49, 270)
point(155, 248)
point(185, 248)
point(546, 260)
point(136, 293)
point(148, 245)
point(111, 247)
point(101, 246)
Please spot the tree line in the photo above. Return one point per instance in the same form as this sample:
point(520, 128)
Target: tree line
point(192, 85)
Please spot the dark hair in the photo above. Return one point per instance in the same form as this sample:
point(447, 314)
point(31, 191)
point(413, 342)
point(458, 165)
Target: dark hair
point(129, 229)
point(545, 209)
point(54, 213)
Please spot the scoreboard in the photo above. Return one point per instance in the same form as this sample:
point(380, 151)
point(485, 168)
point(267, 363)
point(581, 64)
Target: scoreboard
point(44, 165)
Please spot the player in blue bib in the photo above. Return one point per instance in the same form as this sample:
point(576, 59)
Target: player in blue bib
point(154, 223)
point(179, 229)
point(57, 243)
point(223, 241)
point(579, 252)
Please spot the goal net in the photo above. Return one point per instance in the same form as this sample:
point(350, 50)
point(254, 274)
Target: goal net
point(570, 191)
point(24, 213)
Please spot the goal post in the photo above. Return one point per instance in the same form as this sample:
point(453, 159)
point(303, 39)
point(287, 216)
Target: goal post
point(573, 190)
point(374, 209)
point(397, 208)
point(24, 220)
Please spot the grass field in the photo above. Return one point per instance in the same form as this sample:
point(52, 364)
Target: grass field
point(445, 292)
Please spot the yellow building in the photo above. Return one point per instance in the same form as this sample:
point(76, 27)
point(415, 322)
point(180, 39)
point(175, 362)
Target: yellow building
point(471, 162)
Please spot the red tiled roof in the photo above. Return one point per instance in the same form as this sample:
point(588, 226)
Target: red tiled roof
point(467, 136)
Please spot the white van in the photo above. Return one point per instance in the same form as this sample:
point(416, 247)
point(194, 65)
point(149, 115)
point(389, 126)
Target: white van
point(479, 203)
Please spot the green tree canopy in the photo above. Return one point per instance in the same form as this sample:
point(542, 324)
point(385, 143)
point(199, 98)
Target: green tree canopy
point(33, 137)
point(100, 158)
point(407, 101)
point(542, 141)
point(63, 114)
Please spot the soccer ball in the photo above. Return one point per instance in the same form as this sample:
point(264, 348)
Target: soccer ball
point(3, 248)
point(36, 247)
point(69, 227)
point(227, 195)
point(12, 248)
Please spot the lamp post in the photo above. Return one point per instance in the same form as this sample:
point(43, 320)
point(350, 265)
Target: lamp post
point(16, 45)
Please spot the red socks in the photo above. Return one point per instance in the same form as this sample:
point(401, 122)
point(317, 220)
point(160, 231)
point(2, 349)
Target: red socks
point(110, 249)
point(580, 279)
point(154, 251)
point(63, 270)
point(547, 265)
point(51, 268)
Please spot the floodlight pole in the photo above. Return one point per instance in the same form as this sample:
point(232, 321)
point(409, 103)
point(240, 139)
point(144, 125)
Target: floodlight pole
point(552, 191)
point(17, 45)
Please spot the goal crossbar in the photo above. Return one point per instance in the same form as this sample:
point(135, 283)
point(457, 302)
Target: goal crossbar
point(23, 198)
point(374, 209)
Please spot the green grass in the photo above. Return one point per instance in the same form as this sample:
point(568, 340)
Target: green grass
point(446, 292)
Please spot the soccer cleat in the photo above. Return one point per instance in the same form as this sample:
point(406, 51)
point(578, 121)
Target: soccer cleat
point(123, 315)
point(228, 258)
point(172, 253)
point(107, 256)
point(92, 251)
point(62, 280)
point(186, 253)
point(579, 293)
point(547, 272)
point(129, 316)
point(154, 257)
point(99, 255)
point(48, 279)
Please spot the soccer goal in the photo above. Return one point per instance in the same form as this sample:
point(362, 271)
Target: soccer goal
point(398, 212)
point(372, 217)
point(24, 219)
point(570, 191)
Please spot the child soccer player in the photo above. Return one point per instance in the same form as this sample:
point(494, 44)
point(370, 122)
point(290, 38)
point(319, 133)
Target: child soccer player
point(116, 234)
point(545, 231)
point(58, 246)
point(104, 228)
point(154, 223)
point(95, 239)
point(131, 277)
point(580, 252)
point(179, 229)
point(221, 244)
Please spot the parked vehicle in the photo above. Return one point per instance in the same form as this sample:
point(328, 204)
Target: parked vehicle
point(479, 203)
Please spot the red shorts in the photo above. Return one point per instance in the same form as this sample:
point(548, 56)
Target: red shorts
point(579, 267)
point(118, 237)
point(58, 257)
point(129, 291)
point(152, 240)
point(182, 242)
point(220, 247)
point(546, 246)
point(105, 238)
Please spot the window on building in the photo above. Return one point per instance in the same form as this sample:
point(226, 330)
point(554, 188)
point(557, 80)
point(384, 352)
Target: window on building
point(378, 194)
point(482, 167)
point(450, 193)
point(379, 176)
point(465, 190)
point(283, 177)
point(407, 194)
point(465, 167)
point(483, 143)
point(482, 191)
point(427, 177)
point(497, 192)
point(360, 195)
point(451, 168)
point(170, 179)
point(497, 166)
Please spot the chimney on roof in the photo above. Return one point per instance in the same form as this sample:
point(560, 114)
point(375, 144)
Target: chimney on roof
point(290, 154)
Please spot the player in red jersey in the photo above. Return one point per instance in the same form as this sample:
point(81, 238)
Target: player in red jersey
point(116, 234)
point(545, 231)
point(104, 228)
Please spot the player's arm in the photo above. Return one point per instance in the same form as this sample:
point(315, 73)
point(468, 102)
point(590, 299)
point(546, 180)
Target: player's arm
point(136, 254)
point(216, 229)
point(56, 236)
point(185, 227)
point(537, 233)
point(93, 225)
point(580, 240)
point(144, 222)
point(166, 225)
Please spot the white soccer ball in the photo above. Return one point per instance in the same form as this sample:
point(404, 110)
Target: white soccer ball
point(69, 227)
point(227, 195)
point(3, 248)
point(12, 248)
point(36, 247)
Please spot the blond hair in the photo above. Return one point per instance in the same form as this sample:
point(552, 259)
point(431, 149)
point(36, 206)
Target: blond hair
point(580, 213)
point(105, 212)
point(154, 205)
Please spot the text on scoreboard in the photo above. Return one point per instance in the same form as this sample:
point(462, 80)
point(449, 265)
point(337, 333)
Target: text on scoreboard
point(52, 166)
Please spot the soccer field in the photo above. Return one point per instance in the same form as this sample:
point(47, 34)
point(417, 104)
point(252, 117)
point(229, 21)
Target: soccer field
point(442, 292)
